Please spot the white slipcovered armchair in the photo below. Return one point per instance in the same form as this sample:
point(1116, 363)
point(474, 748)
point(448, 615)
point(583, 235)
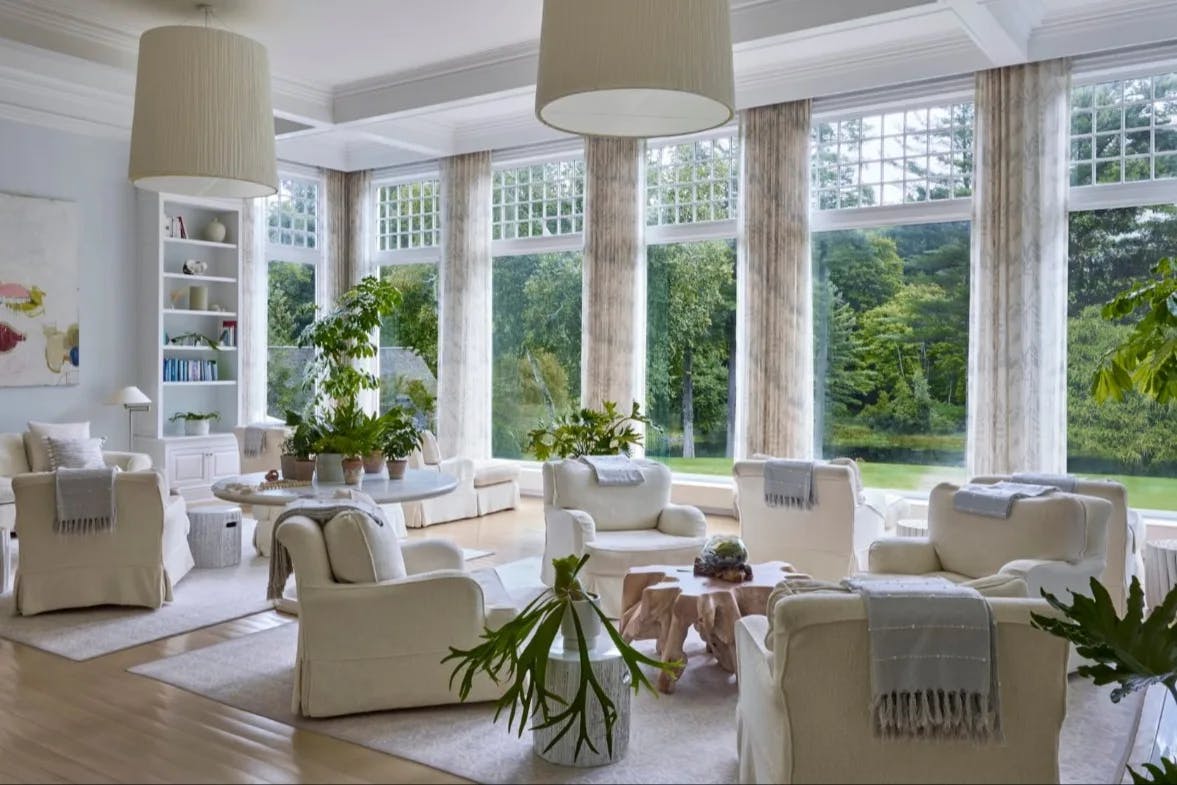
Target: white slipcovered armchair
point(1056, 542)
point(1125, 535)
point(829, 541)
point(618, 526)
point(370, 645)
point(805, 694)
point(136, 563)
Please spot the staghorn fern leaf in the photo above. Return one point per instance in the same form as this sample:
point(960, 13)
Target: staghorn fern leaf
point(1165, 774)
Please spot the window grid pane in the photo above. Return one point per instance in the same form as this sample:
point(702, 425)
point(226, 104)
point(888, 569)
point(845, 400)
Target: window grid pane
point(1124, 131)
point(896, 157)
point(692, 181)
point(290, 214)
point(409, 215)
point(542, 200)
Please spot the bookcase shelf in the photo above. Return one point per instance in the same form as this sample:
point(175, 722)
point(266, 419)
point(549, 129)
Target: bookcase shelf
point(199, 243)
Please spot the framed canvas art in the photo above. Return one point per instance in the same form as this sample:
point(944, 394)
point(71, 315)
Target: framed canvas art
point(38, 291)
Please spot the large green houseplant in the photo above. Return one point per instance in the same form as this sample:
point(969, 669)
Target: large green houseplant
point(516, 654)
point(587, 431)
point(1131, 651)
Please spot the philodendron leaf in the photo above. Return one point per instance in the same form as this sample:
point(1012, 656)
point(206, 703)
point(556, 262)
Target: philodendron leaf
point(1165, 774)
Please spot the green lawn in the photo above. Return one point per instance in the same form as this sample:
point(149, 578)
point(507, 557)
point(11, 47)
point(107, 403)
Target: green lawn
point(1146, 493)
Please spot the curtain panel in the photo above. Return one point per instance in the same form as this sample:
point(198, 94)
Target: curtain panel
point(774, 285)
point(252, 333)
point(614, 287)
point(1018, 295)
point(347, 209)
point(464, 312)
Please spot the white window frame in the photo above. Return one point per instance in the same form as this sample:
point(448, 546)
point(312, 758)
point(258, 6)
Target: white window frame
point(521, 246)
point(695, 231)
point(426, 255)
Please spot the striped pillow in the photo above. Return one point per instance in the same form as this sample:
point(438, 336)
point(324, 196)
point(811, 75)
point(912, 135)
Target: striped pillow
point(75, 453)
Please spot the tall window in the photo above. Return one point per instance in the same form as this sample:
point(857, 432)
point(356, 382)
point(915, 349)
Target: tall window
point(691, 303)
point(538, 221)
point(293, 252)
point(408, 241)
point(1123, 131)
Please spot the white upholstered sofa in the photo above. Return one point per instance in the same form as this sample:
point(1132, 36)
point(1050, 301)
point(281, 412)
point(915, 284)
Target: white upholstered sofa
point(136, 563)
point(618, 526)
point(484, 486)
point(1056, 542)
point(829, 541)
point(803, 711)
point(367, 641)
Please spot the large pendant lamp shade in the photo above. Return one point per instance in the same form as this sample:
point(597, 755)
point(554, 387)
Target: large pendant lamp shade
point(635, 67)
point(204, 124)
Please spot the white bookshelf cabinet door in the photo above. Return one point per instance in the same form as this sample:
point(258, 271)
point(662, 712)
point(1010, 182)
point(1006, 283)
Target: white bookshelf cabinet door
point(225, 462)
point(186, 467)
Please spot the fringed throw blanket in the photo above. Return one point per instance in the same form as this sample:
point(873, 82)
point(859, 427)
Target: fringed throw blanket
point(85, 500)
point(996, 500)
point(253, 441)
point(614, 469)
point(933, 659)
point(1063, 482)
point(320, 511)
point(788, 483)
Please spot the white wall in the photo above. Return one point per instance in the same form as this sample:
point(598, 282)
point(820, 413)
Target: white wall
point(38, 161)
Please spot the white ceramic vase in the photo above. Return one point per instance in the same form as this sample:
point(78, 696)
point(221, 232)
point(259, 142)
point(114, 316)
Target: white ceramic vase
point(196, 427)
point(214, 231)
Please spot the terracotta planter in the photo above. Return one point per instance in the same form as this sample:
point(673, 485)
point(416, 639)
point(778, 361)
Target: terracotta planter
point(373, 462)
point(302, 470)
point(286, 464)
point(353, 470)
point(396, 469)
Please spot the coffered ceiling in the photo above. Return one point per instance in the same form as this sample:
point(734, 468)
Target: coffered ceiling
point(373, 83)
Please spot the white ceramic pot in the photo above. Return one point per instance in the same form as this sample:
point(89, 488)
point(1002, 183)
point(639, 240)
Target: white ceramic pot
point(196, 427)
point(329, 467)
point(590, 624)
point(214, 231)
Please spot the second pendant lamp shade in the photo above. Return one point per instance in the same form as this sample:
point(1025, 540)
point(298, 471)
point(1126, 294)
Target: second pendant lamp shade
point(635, 67)
point(204, 123)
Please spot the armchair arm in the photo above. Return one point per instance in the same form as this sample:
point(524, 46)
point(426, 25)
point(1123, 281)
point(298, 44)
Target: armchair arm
point(903, 556)
point(682, 520)
point(127, 461)
point(1055, 577)
point(423, 556)
point(565, 532)
point(462, 468)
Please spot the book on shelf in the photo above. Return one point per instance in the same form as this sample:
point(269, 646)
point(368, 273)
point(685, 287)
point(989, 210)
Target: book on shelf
point(175, 370)
point(228, 336)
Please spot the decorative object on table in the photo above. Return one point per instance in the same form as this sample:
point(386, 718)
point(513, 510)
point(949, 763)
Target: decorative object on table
point(664, 601)
point(517, 653)
point(195, 423)
point(203, 120)
point(274, 485)
point(194, 267)
point(133, 400)
point(400, 438)
point(272, 475)
point(39, 278)
point(724, 556)
point(214, 535)
point(214, 231)
point(586, 431)
point(198, 298)
point(625, 68)
point(1144, 361)
point(1130, 651)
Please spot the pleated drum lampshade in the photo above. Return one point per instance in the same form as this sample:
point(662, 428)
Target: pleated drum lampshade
point(635, 67)
point(204, 122)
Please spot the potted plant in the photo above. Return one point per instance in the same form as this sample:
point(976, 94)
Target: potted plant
point(400, 438)
point(604, 431)
point(298, 462)
point(371, 432)
point(195, 423)
point(341, 446)
point(516, 654)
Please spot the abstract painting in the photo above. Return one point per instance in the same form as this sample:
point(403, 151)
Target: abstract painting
point(38, 291)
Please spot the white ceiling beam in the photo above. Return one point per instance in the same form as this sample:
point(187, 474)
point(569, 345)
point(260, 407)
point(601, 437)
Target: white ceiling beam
point(432, 143)
point(1001, 29)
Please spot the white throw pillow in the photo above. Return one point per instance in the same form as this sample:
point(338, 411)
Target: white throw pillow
point(35, 440)
point(75, 453)
point(362, 551)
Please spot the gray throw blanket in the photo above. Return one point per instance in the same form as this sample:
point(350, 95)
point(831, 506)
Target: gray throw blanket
point(933, 649)
point(788, 483)
point(253, 441)
point(614, 469)
point(996, 500)
point(85, 500)
point(1063, 482)
point(320, 511)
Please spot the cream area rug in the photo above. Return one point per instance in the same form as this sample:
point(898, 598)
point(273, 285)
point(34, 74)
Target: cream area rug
point(254, 673)
point(202, 598)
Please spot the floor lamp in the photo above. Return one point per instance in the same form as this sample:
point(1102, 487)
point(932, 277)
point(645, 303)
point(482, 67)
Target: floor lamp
point(133, 400)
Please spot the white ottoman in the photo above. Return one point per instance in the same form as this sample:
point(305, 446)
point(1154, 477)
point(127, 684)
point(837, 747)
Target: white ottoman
point(496, 484)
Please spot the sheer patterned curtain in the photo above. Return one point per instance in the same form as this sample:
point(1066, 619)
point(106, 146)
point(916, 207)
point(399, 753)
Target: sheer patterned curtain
point(464, 308)
point(774, 285)
point(614, 287)
point(1018, 301)
point(252, 334)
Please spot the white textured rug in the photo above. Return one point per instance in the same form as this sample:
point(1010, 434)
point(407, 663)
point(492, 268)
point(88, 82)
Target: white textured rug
point(204, 597)
point(254, 673)
point(469, 554)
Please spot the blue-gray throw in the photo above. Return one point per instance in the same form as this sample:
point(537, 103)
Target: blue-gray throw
point(788, 483)
point(933, 659)
point(320, 511)
point(614, 469)
point(996, 500)
point(253, 440)
point(85, 500)
point(1063, 482)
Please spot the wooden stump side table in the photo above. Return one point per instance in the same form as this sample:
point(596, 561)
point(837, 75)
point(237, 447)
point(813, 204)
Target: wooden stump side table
point(663, 602)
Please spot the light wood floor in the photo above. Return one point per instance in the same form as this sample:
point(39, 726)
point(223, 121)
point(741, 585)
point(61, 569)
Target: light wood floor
point(65, 721)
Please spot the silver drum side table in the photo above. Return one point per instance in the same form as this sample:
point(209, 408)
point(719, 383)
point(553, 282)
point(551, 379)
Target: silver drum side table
point(1160, 570)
